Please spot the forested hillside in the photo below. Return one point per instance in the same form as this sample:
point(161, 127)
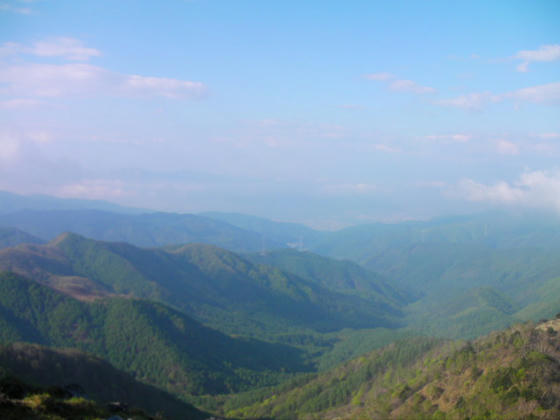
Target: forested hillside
point(209, 283)
point(508, 375)
point(62, 373)
point(154, 343)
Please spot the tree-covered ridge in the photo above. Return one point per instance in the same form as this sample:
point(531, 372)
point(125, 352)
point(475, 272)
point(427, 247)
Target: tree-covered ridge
point(508, 375)
point(60, 369)
point(340, 275)
point(272, 233)
point(213, 285)
point(156, 344)
point(11, 237)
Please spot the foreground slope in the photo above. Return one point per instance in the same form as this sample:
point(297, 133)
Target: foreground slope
point(211, 284)
point(58, 370)
point(156, 344)
point(508, 375)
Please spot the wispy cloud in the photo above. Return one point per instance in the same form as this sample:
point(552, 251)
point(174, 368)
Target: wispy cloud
point(51, 80)
point(544, 53)
point(548, 136)
point(351, 106)
point(162, 86)
point(19, 103)
point(6, 7)
point(471, 101)
point(349, 189)
point(410, 86)
point(31, 80)
point(505, 147)
point(542, 94)
point(380, 76)
point(386, 148)
point(548, 94)
point(456, 138)
point(400, 85)
point(93, 189)
point(538, 189)
point(66, 48)
point(69, 48)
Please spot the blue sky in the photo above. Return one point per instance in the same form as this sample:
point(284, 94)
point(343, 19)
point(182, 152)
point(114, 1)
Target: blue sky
point(327, 113)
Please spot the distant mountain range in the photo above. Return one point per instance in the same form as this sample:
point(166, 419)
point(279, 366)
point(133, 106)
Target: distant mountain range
point(248, 317)
point(10, 202)
point(12, 237)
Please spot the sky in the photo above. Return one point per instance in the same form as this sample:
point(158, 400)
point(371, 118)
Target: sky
point(329, 113)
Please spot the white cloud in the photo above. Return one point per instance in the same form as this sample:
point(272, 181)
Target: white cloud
point(410, 86)
point(400, 85)
point(545, 53)
point(458, 138)
point(537, 189)
point(507, 148)
point(51, 80)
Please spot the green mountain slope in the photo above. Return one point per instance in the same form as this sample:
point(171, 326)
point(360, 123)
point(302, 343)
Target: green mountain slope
point(53, 368)
point(147, 230)
point(158, 345)
point(508, 375)
point(467, 314)
point(209, 283)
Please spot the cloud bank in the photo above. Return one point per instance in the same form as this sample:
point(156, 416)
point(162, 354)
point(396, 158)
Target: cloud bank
point(537, 189)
